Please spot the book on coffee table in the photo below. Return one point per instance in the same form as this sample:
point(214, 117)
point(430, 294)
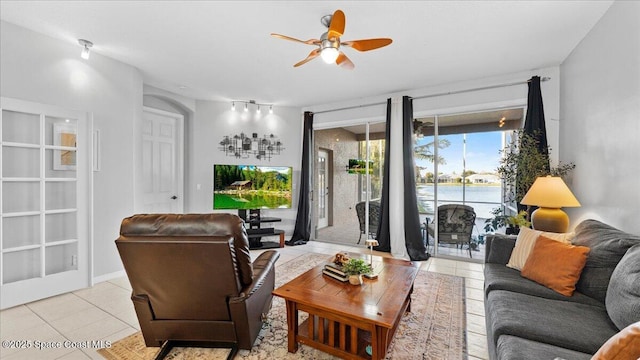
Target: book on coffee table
point(334, 275)
point(336, 268)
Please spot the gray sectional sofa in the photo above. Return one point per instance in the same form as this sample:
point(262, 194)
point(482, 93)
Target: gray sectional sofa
point(526, 320)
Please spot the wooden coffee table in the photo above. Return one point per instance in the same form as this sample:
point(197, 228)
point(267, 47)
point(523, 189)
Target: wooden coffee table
point(343, 319)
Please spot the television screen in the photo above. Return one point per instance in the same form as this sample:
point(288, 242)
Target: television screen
point(357, 166)
point(252, 187)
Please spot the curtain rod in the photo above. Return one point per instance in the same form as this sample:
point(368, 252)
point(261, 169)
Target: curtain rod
point(546, 78)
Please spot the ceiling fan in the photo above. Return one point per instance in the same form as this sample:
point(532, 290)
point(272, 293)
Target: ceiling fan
point(329, 43)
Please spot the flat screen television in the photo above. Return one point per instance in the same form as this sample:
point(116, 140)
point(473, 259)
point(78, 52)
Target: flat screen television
point(252, 187)
point(357, 166)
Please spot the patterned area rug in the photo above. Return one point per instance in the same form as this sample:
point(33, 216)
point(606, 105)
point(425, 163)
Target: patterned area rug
point(434, 329)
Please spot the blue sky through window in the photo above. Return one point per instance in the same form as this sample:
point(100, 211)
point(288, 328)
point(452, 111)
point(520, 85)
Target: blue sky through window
point(483, 153)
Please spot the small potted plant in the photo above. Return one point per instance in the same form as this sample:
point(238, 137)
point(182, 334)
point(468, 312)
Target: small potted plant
point(515, 222)
point(355, 268)
point(512, 222)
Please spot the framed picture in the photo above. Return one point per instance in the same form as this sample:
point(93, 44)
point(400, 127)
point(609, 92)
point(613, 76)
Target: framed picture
point(64, 135)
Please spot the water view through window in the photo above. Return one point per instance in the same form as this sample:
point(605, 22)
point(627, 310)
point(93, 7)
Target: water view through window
point(466, 171)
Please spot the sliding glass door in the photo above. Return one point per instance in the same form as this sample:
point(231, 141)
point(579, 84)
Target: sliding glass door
point(342, 183)
point(457, 186)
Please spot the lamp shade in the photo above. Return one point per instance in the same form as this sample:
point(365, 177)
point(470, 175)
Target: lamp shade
point(371, 242)
point(550, 192)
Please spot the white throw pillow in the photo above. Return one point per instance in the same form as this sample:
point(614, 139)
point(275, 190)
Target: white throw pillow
point(525, 241)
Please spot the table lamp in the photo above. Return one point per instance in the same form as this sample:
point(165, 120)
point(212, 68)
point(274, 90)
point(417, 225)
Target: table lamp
point(550, 193)
point(371, 243)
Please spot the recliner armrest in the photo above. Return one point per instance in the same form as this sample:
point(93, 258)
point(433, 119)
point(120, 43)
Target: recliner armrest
point(261, 267)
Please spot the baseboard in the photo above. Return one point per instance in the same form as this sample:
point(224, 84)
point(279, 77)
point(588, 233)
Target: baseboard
point(110, 276)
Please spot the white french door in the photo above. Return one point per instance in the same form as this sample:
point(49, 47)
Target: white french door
point(323, 189)
point(45, 210)
point(162, 164)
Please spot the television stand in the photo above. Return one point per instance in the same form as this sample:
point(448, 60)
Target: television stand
point(256, 232)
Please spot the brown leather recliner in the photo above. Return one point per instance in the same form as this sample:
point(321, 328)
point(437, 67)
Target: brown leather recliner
point(193, 281)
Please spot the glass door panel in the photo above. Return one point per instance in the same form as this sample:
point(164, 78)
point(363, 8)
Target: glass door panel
point(60, 195)
point(61, 258)
point(20, 127)
point(20, 196)
point(20, 265)
point(60, 227)
point(20, 162)
point(20, 231)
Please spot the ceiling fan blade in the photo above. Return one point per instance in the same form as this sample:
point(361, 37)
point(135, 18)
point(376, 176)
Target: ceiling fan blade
point(308, 42)
point(344, 62)
point(367, 44)
point(312, 55)
point(336, 28)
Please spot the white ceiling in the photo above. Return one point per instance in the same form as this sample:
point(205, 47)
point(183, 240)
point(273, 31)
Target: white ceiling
point(222, 50)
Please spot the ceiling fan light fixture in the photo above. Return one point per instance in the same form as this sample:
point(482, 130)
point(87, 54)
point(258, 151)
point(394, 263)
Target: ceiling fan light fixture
point(329, 55)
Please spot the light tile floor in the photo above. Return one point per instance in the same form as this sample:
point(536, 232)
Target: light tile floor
point(105, 312)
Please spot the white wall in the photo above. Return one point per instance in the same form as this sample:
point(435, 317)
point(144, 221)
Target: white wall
point(40, 69)
point(600, 119)
point(213, 120)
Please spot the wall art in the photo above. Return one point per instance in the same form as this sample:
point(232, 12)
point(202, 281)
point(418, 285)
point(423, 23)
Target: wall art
point(243, 146)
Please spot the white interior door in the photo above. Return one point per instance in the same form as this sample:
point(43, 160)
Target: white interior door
point(323, 189)
point(162, 162)
point(45, 193)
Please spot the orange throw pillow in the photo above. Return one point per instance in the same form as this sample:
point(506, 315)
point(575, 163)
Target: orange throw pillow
point(555, 265)
point(624, 345)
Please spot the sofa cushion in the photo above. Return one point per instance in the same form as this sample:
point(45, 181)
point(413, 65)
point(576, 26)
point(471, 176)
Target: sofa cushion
point(624, 345)
point(500, 277)
point(499, 248)
point(555, 265)
point(525, 241)
point(623, 295)
point(511, 347)
point(607, 245)
point(574, 326)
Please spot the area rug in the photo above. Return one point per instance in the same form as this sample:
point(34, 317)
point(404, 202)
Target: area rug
point(434, 329)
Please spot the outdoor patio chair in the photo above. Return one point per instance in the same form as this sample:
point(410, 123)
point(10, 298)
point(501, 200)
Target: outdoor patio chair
point(374, 218)
point(455, 225)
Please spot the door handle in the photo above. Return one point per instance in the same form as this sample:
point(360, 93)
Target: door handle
point(174, 197)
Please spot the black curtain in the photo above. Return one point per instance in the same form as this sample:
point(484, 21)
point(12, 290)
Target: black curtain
point(302, 230)
point(416, 248)
point(383, 233)
point(534, 121)
point(534, 125)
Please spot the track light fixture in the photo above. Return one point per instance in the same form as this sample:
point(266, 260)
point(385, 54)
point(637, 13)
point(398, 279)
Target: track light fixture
point(86, 46)
point(252, 103)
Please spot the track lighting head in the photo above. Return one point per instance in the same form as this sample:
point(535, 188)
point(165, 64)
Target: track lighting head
point(86, 46)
